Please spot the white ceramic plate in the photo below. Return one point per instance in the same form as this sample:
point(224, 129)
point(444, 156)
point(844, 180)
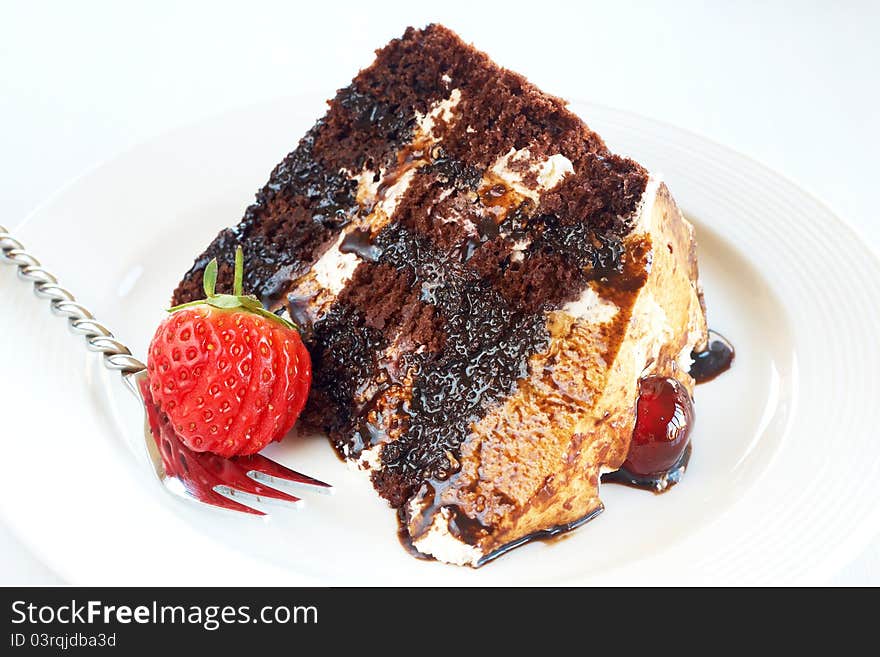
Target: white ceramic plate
point(781, 487)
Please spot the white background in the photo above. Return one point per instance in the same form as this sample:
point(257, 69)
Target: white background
point(794, 85)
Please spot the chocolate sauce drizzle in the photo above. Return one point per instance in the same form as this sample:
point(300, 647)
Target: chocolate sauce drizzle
point(542, 535)
point(359, 243)
point(555, 532)
point(714, 360)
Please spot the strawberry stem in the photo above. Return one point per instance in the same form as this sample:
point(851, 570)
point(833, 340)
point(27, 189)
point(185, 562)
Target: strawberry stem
point(238, 279)
point(238, 299)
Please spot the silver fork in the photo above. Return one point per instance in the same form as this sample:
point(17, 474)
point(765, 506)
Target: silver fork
point(234, 484)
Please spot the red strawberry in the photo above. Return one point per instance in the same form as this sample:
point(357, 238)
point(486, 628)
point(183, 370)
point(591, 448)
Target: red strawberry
point(231, 376)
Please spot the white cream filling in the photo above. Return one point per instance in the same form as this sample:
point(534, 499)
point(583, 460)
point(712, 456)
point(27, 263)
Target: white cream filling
point(656, 326)
point(440, 543)
point(334, 269)
point(644, 212)
point(393, 194)
point(367, 185)
point(368, 194)
point(518, 250)
point(591, 308)
point(441, 110)
point(369, 459)
point(553, 170)
point(684, 359)
point(549, 172)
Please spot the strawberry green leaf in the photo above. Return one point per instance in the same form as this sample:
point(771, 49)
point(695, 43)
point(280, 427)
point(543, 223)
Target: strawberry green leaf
point(225, 301)
point(210, 280)
point(237, 300)
point(251, 303)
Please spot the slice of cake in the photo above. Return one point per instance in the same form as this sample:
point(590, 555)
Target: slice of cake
point(481, 285)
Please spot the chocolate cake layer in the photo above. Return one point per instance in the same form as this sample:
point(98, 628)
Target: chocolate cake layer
point(440, 235)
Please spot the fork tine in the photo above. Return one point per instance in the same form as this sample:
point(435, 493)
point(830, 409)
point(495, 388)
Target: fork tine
point(234, 476)
point(207, 494)
point(255, 500)
point(224, 502)
point(266, 470)
point(219, 500)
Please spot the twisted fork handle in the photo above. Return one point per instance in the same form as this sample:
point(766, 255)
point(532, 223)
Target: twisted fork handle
point(99, 338)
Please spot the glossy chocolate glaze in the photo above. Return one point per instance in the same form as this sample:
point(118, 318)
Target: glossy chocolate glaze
point(298, 311)
point(543, 535)
point(714, 360)
point(359, 243)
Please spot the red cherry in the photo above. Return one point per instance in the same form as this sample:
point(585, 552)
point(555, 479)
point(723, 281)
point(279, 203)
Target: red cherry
point(664, 416)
